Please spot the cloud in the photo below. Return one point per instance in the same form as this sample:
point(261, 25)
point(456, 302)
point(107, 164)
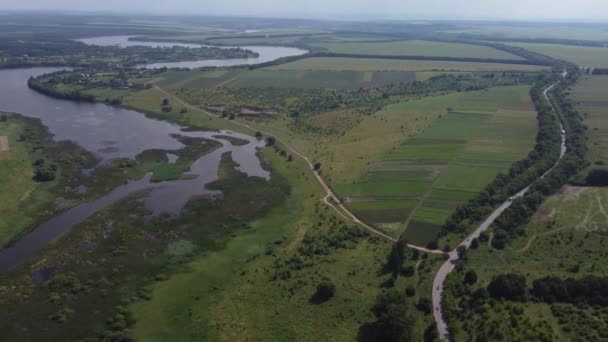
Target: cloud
point(360, 9)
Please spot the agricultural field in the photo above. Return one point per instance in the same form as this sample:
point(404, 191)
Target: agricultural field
point(585, 56)
point(416, 185)
point(320, 79)
point(546, 30)
point(374, 64)
point(590, 96)
point(417, 48)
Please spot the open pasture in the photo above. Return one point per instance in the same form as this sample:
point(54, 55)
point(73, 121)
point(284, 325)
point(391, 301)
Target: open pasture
point(478, 135)
point(417, 48)
point(376, 64)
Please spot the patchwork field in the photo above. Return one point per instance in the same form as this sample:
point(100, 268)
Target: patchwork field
point(374, 64)
point(417, 185)
point(417, 48)
point(585, 56)
point(591, 100)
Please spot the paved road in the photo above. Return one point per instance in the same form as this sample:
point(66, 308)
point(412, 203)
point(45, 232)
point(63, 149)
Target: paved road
point(449, 265)
point(330, 197)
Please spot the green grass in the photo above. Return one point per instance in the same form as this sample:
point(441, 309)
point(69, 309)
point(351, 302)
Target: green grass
point(417, 48)
point(546, 30)
point(448, 162)
point(585, 56)
point(590, 96)
point(372, 64)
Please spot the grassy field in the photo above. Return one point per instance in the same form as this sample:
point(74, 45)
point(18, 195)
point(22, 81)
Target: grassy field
point(424, 179)
point(565, 238)
point(372, 64)
point(590, 96)
point(21, 193)
point(417, 48)
point(594, 57)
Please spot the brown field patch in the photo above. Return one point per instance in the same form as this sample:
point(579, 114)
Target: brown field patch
point(5, 150)
point(570, 191)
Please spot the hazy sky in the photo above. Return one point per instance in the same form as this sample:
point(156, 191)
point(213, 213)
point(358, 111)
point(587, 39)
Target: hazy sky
point(596, 10)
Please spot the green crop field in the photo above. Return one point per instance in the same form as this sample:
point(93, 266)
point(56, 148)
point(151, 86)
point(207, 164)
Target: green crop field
point(547, 30)
point(417, 48)
point(374, 64)
point(584, 56)
point(590, 96)
point(462, 151)
point(320, 79)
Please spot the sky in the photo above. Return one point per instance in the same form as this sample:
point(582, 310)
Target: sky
point(561, 10)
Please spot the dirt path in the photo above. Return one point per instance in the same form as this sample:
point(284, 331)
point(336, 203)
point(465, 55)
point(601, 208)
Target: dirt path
point(330, 197)
point(4, 148)
point(449, 265)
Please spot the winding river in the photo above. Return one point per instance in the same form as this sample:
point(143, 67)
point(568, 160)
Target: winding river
point(111, 132)
point(266, 53)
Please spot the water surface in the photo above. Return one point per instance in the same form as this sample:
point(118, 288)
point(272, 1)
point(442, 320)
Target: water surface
point(266, 53)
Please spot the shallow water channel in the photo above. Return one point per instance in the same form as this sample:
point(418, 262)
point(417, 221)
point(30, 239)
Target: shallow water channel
point(111, 132)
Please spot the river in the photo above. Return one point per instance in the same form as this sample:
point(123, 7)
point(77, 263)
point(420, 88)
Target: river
point(267, 53)
point(111, 132)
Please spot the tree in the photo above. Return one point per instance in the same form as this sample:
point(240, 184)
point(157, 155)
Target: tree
point(396, 257)
point(258, 135)
point(270, 141)
point(510, 286)
point(410, 291)
point(597, 177)
point(317, 166)
point(394, 320)
point(470, 277)
point(325, 291)
point(474, 243)
point(165, 102)
point(425, 305)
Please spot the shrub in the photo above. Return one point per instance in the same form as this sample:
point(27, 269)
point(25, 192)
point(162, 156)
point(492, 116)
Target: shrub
point(325, 291)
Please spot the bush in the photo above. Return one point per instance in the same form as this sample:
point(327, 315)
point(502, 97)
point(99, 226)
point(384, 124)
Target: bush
point(511, 286)
point(325, 291)
point(425, 305)
point(470, 277)
point(597, 177)
point(410, 291)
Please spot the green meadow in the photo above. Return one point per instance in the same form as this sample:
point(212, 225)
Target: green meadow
point(414, 187)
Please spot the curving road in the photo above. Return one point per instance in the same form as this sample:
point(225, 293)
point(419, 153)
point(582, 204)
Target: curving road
point(449, 265)
point(330, 197)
